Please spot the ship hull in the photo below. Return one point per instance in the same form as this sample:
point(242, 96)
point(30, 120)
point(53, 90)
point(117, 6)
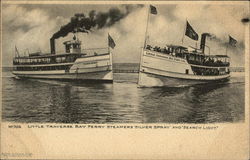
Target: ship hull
point(98, 76)
point(156, 80)
point(157, 69)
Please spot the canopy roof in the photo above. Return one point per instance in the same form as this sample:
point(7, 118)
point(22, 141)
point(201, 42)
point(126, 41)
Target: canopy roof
point(72, 42)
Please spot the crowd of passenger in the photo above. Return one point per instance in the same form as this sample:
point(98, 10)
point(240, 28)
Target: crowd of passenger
point(158, 49)
point(208, 62)
point(207, 71)
point(190, 56)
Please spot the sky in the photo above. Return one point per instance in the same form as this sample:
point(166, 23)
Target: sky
point(30, 27)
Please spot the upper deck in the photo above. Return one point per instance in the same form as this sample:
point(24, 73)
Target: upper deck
point(47, 59)
point(195, 57)
point(52, 59)
point(72, 52)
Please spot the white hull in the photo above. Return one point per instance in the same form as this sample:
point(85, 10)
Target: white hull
point(153, 80)
point(157, 69)
point(98, 76)
point(90, 68)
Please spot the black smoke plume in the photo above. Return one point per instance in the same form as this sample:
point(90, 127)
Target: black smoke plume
point(216, 39)
point(82, 23)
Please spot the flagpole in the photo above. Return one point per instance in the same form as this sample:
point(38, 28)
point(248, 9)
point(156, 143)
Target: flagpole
point(146, 32)
point(184, 33)
point(110, 56)
point(226, 49)
point(145, 42)
point(15, 52)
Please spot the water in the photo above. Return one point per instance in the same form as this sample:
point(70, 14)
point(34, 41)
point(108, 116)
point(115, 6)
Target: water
point(121, 102)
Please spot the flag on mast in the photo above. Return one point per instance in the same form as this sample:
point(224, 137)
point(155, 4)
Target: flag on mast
point(153, 9)
point(111, 42)
point(232, 41)
point(190, 32)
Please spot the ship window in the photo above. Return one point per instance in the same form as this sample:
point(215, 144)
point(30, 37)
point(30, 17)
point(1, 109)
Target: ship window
point(63, 59)
point(186, 71)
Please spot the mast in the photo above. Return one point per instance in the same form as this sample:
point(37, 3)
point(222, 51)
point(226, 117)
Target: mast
point(226, 49)
point(146, 32)
point(144, 46)
point(110, 55)
point(16, 52)
point(184, 33)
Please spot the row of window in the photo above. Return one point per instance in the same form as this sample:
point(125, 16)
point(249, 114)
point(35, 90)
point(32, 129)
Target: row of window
point(209, 71)
point(209, 62)
point(43, 68)
point(65, 59)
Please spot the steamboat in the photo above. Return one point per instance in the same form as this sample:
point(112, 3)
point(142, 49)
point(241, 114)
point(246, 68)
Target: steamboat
point(72, 64)
point(177, 65)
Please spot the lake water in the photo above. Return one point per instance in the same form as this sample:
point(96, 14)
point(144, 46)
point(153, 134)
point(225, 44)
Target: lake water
point(121, 102)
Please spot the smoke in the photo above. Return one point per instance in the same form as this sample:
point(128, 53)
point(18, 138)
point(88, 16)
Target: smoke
point(94, 20)
point(210, 35)
point(213, 37)
point(128, 35)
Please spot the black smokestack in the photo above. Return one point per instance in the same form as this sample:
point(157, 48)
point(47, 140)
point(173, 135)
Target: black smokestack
point(82, 23)
point(52, 46)
point(203, 41)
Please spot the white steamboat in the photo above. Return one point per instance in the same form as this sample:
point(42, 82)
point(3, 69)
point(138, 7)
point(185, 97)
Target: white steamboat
point(73, 64)
point(177, 66)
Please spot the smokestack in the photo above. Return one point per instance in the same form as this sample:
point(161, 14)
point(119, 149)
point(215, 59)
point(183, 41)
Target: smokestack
point(52, 46)
point(203, 42)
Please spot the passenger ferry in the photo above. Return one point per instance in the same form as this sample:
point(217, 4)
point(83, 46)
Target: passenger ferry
point(176, 65)
point(73, 64)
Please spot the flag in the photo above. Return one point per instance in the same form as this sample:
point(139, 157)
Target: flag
point(153, 10)
point(111, 42)
point(190, 32)
point(232, 41)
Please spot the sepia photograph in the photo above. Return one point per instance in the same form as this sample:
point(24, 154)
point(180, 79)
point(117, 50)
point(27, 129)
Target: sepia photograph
point(126, 63)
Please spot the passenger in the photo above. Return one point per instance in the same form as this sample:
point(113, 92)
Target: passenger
point(159, 49)
point(165, 50)
point(155, 48)
point(148, 47)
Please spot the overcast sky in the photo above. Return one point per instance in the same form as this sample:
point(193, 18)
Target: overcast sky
point(32, 25)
